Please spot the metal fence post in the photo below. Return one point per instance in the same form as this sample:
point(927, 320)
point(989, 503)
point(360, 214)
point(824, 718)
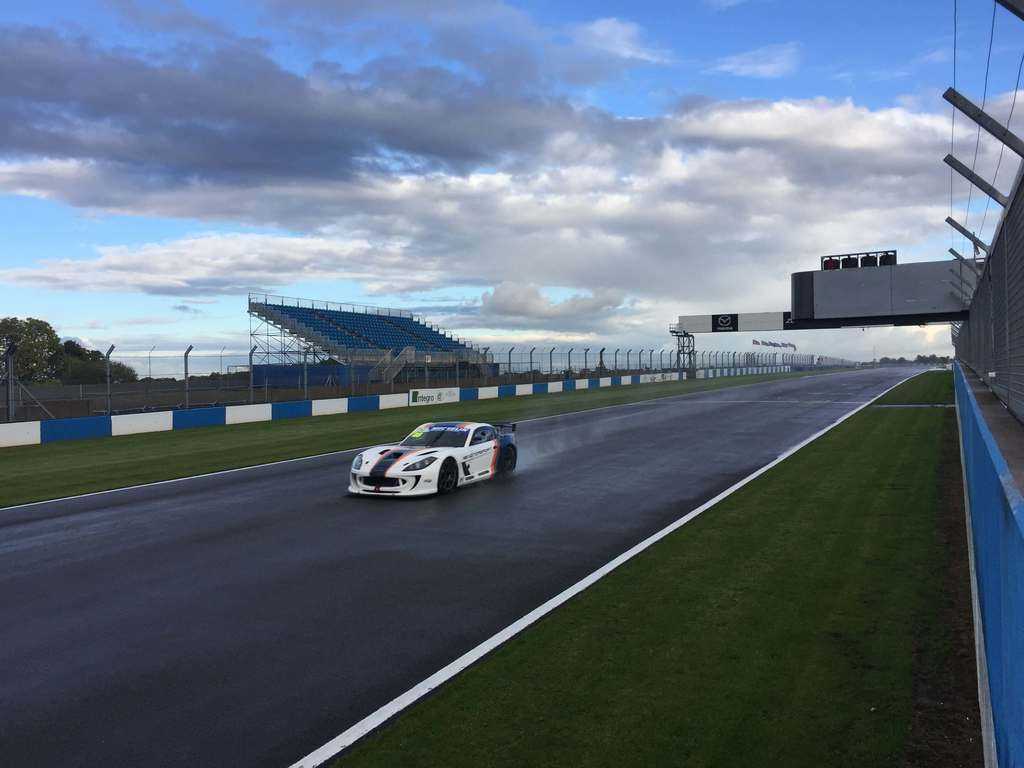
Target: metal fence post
point(600, 358)
point(531, 362)
point(9, 361)
point(305, 374)
point(569, 363)
point(661, 360)
point(586, 360)
point(615, 360)
point(188, 393)
point(251, 375)
point(510, 363)
point(551, 362)
point(107, 360)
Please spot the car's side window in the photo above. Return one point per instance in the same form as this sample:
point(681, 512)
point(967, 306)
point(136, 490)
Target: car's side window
point(482, 435)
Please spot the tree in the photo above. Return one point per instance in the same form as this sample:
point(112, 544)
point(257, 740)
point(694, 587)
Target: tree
point(89, 366)
point(38, 355)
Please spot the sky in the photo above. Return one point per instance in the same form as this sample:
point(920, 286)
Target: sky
point(520, 173)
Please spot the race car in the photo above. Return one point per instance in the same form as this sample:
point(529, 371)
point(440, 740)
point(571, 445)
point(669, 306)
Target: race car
point(435, 458)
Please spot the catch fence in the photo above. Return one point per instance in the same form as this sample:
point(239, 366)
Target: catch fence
point(226, 378)
point(991, 341)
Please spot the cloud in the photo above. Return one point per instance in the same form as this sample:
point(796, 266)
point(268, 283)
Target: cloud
point(410, 176)
point(169, 16)
point(186, 309)
point(721, 5)
point(768, 62)
point(620, 38)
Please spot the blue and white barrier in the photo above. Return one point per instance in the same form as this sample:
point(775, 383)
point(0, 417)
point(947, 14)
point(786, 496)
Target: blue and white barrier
point(996, 513)
point(53, 430)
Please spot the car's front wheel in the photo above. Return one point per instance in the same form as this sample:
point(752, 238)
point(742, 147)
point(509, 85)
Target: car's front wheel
point(448, 476)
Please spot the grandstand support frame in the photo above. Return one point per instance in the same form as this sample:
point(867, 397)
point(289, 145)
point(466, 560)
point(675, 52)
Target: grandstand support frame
point(273, 344)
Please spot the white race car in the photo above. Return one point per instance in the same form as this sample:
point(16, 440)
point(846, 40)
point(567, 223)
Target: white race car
point(435, 458)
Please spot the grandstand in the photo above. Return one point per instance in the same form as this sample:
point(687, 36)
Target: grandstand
point(286, 330)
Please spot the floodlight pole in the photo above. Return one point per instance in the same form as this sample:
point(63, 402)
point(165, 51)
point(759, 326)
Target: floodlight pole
point(252, 393)
point(188, 393)
point(107, 360)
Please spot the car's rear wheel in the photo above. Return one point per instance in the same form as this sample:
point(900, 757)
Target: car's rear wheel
point(448, 476)
point(507, 462)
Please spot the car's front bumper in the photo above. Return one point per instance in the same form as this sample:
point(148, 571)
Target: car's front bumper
point(400, 485)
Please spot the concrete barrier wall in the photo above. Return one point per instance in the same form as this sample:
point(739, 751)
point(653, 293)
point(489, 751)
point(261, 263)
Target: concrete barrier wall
point(136, 423)
point(242, 414)
point(36, 432)
point(996, 513)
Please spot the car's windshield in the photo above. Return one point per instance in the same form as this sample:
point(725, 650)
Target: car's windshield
point(437, 436)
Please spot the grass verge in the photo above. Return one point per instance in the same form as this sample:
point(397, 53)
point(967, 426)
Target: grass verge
point(803, 621)
point(39, 472)
point(930, 388)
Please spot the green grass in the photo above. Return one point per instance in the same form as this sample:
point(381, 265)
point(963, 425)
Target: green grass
point(931, 388)
point(779, 628)
point(35, 473)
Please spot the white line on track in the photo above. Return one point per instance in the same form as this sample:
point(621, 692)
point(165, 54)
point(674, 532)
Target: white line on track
point(363, 448)
point(395, 706)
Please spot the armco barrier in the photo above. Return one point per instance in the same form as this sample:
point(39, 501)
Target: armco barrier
point(36, 432)
point(996, 511)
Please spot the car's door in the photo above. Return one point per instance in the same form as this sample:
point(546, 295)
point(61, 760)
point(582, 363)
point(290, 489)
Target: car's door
point(480, 453)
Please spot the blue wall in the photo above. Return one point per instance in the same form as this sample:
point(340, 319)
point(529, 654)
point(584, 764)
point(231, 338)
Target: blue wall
point(997, 527)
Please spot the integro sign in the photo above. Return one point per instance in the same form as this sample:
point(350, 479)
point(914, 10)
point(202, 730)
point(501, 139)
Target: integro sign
point(433, 396)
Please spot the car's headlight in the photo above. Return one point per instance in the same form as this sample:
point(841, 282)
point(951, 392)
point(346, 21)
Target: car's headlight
point(358, 462)
point(416, 466)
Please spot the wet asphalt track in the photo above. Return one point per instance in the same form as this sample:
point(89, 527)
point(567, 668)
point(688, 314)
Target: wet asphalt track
point(247, 618)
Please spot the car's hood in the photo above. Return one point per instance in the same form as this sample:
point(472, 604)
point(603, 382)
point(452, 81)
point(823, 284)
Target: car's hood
point(395, 454)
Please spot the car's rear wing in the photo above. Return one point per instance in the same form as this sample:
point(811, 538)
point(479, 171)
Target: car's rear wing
point(505, 428)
